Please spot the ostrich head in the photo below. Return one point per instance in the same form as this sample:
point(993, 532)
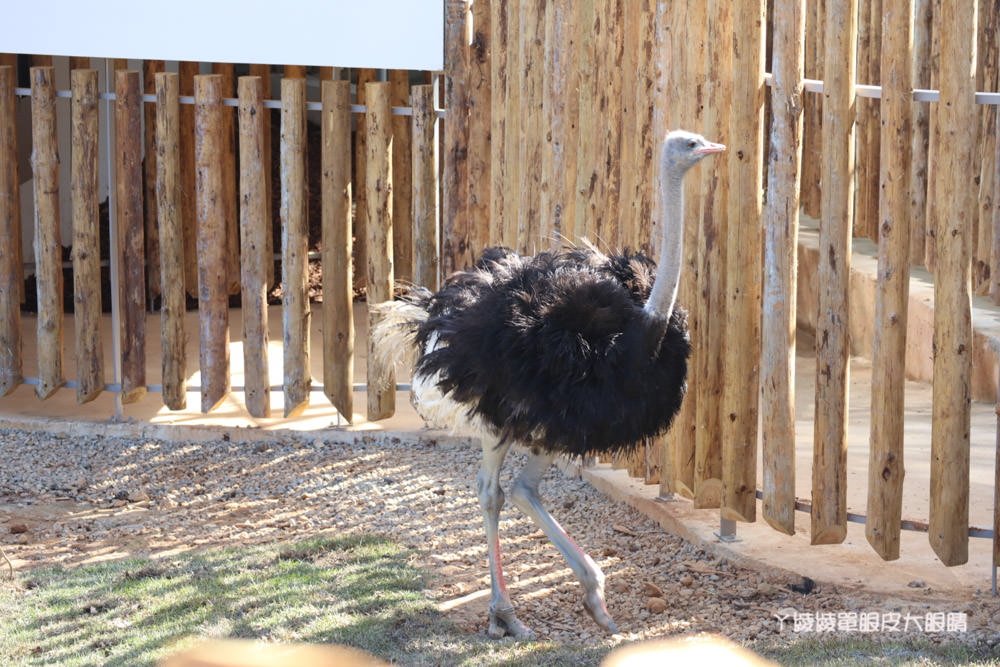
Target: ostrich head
point(683, 150)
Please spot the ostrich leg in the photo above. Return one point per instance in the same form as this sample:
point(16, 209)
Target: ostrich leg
point(502, 618)
point(525, 496)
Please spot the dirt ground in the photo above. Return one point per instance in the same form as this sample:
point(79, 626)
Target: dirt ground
point(74, 500)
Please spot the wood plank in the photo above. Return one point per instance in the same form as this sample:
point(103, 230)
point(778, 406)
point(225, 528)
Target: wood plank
point(829, 483)
point(744, 266)
point(48, 245)
point(402, 193)
point(480, 121)
point(885, 461)
point(378, 181)
point(255, 226)
point(229, 175)
point(512, 143)
point(365, 76)
point(338, 294)
point(933, 139)
point(610, 50)
point(455, 175)
point(294, 247)
point(129, 224)
point(585, 20)
point(628, 211)
point(498, 124)
point(530, 80)
point(951, 414)
point(559, 154)
point(866, 207)
point(987, 50)
point(171, 230)
point(923, 14)
point(425, 187)
point(187, 71)
point(149, 70)
point(11, 268)
point(681, 31)
point(812, 129)
point(86, 236)
point(777, 372)
point(213, 270)
point(642, 195)
point(264, 72)
point(708, 333)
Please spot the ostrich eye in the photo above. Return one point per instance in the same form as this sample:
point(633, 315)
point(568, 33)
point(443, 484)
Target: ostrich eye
point(692, 143)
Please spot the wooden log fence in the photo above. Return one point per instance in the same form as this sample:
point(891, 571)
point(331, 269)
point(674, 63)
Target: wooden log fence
point(553, 115)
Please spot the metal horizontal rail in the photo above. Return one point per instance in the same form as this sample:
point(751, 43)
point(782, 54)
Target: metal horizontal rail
point(158, 389)
point(905, 524)
point(234, 102)
point(875, 92)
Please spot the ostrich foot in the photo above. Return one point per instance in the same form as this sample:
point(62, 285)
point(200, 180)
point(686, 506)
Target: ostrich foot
point(503, 622)
point(593, 602)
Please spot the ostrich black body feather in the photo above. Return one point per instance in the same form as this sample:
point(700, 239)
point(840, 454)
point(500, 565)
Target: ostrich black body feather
point(556, 351)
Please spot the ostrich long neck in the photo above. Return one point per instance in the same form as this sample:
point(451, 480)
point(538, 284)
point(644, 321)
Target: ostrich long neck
point(664, 293)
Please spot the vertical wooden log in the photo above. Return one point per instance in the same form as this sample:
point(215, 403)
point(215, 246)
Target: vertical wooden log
point(866, 208)
point(129, 223)
point(628, 210)
point(829, 492)
point(213, 270)
point(255, 218)
point(264, 72)
point(609, 109)
point(48, 247)
point(949, 490)
point(933, 141)
point(149, 71)
point(923, 14)
point(425, 187)
point(480, 102)
point(512, 142)
point(644, 138)
point(995, 245)
point(171, 230)
point(531, 41)
point(986, 80)
point(402, 191)
point(365, 76)
point(188, 70)
point(228, 158)
point(709, 327)
point(455, 221)
point(381, 381)
point(885, 461)
point(587, 123)
point(777, 369)
point(681, 31)
point(338, 294)
point(295, 71)
point(86, 234)
point(744, 265)
point(498, 123)
point(812, 129)
point(294, 246)
point(559, 154)
point(11, 270)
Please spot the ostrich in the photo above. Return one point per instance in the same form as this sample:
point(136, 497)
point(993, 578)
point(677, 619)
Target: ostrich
point(570, 352)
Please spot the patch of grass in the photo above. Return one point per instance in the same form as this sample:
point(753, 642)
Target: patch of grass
point(841, 652)
point(359, 591)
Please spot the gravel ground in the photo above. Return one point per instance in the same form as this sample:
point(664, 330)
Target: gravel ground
point(70, 500)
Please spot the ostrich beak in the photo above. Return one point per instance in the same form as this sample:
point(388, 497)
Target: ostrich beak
point(711, 148)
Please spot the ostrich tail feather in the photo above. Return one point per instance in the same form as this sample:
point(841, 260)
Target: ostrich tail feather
point(394, 334)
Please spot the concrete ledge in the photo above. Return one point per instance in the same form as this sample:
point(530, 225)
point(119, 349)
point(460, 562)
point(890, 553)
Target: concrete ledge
point(920, 316)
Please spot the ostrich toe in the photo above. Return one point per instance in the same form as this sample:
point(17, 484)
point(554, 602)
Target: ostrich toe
point(503, 622)
point(593, 602)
